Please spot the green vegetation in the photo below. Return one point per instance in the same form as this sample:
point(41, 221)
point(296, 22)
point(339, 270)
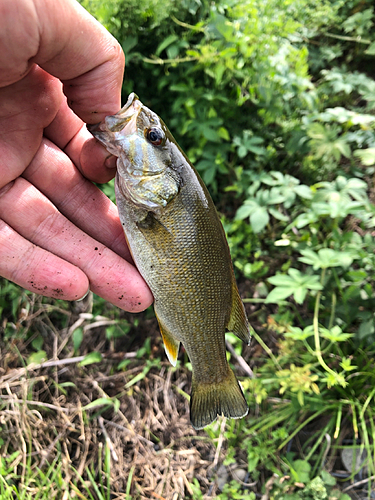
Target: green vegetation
point(274, 104)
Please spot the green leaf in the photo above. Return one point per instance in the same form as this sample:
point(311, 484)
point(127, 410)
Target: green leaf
point(98, 402)
point(242, 151)
point(278, 293)
point(327, 257)
point(303, 191)
point(297, 333)
point(210, 134)
point(92, 357)
point(67, 384)
point(77, 338)
point(281, 280)
point(327, 478)
point(259, 219)
point(244, 211)
point(366, 328)
point(301, 471)
point(295, 283)
point(371, 49)
point(367, 156)
point(335, 334)
point(37, 358)
point(300, 294)
point(165, 43)
point(278, 215)
point(209, 174)
point(305, 219)
point(223, 133)
point(346, 365)
point(37, 343)
point(343, 147)
point(129, 43)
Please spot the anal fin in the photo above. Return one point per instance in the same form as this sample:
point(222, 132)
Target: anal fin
point(238, 322)
point(171, 345)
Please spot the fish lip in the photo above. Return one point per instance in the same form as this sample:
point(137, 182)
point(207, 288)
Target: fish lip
point(131, 100)
point(124, 121)
point(119, 121)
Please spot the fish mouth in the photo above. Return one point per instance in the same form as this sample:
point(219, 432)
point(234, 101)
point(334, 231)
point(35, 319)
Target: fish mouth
point(125, 121)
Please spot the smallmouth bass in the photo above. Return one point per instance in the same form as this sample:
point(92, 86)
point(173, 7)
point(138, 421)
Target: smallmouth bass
point(179, 247)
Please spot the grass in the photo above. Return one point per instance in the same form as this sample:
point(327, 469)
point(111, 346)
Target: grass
point(107, 417)
point(79, 430)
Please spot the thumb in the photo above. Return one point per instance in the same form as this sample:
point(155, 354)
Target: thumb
point(78, 50)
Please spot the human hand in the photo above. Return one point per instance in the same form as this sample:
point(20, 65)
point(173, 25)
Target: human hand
point(59, 234)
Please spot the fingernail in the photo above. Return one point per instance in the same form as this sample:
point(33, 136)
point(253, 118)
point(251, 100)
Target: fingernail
point(86, 294)
point(111, 161)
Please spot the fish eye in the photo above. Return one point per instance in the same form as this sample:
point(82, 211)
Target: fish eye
point(155, 136)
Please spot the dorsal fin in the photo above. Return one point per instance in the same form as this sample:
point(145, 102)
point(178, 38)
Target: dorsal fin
point(238, 322)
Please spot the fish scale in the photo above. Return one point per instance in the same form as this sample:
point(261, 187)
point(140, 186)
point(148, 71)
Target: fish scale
point(179, 246)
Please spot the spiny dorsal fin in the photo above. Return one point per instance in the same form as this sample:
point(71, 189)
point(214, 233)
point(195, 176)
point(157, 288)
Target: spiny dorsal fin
point(238, 322)
point(171, 345)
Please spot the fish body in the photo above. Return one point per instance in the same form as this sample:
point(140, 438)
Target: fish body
point(179, 246)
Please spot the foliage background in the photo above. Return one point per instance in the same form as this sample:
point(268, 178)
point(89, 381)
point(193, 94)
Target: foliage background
point(273, 101)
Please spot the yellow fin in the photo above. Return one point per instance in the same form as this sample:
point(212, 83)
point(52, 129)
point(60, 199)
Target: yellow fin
point(208, 401)
point(238, 322)
point(171, 345)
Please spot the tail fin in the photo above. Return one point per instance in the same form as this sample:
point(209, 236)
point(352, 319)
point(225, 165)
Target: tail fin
point(210, 400)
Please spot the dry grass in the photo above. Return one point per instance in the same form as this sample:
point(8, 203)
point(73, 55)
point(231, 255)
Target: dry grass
point(155, 453)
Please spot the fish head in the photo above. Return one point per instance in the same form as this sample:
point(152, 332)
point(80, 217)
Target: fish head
point(143, 145)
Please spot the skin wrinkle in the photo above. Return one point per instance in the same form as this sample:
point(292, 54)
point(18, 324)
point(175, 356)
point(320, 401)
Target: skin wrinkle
point(65, 147)
point(51, 227)
point(6, 188)
point(78, 209)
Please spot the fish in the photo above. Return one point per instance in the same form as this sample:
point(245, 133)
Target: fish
point(179, 246)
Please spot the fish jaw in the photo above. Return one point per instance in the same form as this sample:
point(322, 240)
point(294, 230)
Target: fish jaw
point(112, 130)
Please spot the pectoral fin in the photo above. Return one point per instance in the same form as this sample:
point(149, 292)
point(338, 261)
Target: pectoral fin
point(150, 222)
point(157, 235)
point(171, 345)
point(238, 322)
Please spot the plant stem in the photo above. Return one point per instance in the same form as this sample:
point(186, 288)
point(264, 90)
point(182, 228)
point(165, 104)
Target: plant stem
point(355, 422)
point(318, 351)
point(185, 25)
point(333, 310)
point(338, 422)
point(158, 60)
point(267, 349)
point(348, 38)
point(308, 348)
